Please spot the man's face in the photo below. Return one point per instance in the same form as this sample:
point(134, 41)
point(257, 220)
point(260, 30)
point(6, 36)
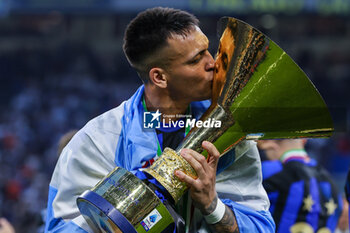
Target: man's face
point(223, 58)
point(190, 71)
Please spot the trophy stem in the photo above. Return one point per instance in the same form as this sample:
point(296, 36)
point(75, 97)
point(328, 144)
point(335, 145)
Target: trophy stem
point(163, 171)
point(171, 160)
point(197, 135)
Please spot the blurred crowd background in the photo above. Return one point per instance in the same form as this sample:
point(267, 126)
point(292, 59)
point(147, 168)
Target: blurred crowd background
point(61, 64)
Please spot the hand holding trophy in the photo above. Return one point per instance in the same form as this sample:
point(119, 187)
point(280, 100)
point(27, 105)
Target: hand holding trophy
point(258, 93)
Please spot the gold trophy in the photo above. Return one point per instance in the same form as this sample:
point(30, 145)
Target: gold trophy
point(258, 93)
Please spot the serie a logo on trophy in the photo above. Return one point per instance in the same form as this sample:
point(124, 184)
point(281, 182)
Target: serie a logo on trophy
point(258, 93)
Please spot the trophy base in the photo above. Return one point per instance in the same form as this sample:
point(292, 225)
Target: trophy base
point(137, 210)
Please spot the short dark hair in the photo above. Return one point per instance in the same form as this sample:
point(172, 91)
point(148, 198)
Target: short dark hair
point(148, 32)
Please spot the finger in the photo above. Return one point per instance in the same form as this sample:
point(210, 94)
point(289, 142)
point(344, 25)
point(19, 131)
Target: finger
point(196, 160)
point(213, 153)
point(197, 156)
point(185, 178)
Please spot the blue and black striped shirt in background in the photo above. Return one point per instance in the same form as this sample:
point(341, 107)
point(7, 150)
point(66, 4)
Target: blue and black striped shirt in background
point(303, 197)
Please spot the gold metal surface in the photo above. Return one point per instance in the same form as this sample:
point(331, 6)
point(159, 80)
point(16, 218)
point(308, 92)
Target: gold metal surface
point(163, 172)
point(229, 79)
point(163, 168)
point(197, 135)
point(258, 93)
point(250, 48)
point(128, 194)
point(250, 78)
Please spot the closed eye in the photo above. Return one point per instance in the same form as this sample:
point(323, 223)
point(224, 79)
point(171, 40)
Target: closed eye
point(197, 58)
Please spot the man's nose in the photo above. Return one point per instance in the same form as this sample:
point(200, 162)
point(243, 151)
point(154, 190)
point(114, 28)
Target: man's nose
point(211, 63)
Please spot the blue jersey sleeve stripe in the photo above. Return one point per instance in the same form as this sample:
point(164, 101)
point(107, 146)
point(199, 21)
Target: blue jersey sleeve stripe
point(312, 216)
point(50, 221)
point(273, 196)
point(269, 168)
point(58, 225)
point(249, 220)
point(326, 189)
point(293, 203)
point(332, 221)
point(67, 227)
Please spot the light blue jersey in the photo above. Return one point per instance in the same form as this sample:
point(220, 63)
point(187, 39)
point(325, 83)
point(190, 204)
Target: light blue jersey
point(116, 138)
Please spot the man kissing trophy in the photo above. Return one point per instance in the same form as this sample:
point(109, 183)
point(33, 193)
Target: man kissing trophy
point(258, 93)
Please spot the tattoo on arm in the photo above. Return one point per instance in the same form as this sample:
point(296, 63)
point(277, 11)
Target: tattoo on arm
point(227, 224)
point(211, 207)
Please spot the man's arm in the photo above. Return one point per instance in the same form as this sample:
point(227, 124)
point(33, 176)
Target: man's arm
point(203, 191)
point(237, 216)
point(228, 222)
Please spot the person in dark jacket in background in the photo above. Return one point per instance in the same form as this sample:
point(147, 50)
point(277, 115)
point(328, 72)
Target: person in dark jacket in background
point(302, 194)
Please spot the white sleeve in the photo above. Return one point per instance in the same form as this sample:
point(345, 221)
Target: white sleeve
point(242, 181)
point(80, 167)
point(87, 159)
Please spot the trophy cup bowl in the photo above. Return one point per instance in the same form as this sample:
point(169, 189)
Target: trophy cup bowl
point(258, 93)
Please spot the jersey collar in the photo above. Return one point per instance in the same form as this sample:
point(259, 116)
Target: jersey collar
point(295, 154)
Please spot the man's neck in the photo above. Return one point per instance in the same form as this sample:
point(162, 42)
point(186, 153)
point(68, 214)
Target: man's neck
point(169, 108)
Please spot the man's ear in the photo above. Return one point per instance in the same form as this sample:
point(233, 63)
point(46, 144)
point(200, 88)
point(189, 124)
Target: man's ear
point(158, 77)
